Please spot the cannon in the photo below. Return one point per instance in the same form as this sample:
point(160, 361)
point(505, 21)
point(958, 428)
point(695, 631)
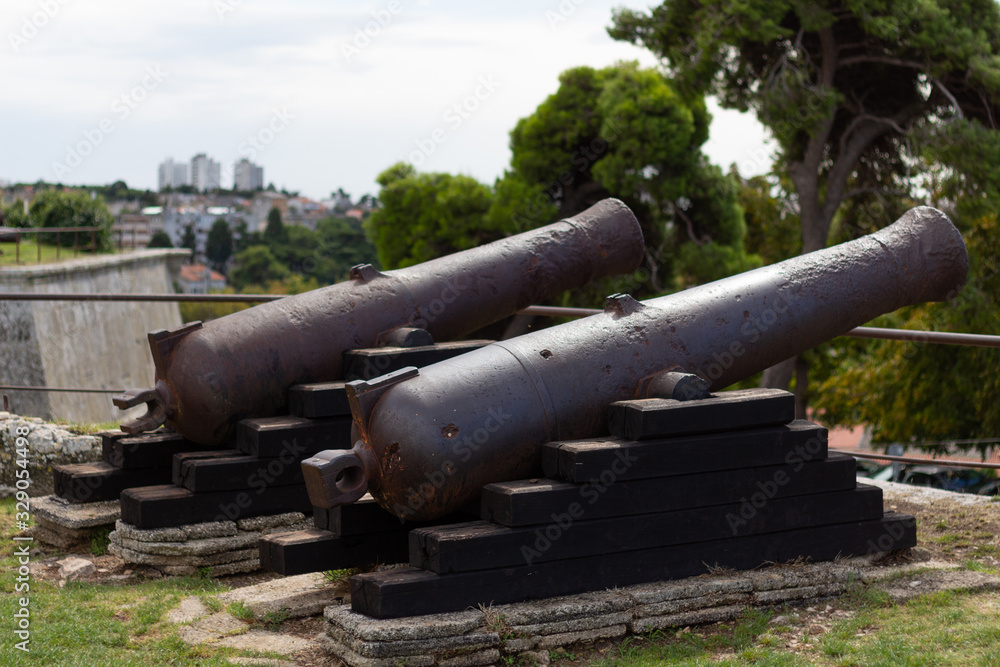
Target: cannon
point(210, 376)
point(427, 441)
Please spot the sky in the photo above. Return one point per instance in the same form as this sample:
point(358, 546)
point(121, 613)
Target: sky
point(323, 95)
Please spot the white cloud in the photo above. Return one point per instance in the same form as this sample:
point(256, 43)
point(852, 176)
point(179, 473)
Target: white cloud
point(354, 117)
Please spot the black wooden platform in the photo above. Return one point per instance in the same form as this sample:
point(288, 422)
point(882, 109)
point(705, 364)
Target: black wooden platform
point(730, 481)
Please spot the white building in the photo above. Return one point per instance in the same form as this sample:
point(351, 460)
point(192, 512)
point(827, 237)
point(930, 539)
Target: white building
point(172, 174)
point(206, 173)
point(247, 175)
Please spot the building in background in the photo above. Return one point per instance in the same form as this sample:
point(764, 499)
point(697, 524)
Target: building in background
point(199, 279)
point(247, 175)
point(206, 173)
point(172, 174)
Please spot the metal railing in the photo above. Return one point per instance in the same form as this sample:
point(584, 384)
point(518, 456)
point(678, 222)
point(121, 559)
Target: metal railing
point(16, 232)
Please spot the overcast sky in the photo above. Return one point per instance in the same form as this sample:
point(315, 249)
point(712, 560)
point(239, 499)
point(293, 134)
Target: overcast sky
point(321, 94)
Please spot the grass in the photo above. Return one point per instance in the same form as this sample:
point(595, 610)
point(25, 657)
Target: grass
point(29, 253)
point(99, 624)
point(947, 628)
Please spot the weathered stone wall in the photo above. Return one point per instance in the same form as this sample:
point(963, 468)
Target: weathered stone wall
point(48, 446)
point(83, 344)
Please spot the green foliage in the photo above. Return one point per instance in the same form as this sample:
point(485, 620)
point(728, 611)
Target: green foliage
point(256, 265)
point(772, 224)
point(13, 215)
point(58, 208)
point(927, 392)
point(424, 216)
point(219, 246)
point(160, 239)
point(241, 611)
point(844, 87)
point(275, 231)
point(100, 541)
point(626, 132)
point(189, 240)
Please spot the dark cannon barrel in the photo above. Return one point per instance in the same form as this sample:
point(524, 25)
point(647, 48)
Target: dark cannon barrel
point(428, 441)
point(209, 376)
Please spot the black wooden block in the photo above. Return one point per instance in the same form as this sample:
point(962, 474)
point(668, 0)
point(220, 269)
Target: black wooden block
point(239, 472)
point(527, 502)
point(365, 517)
point(169, 505)
point(90, 482)
point(316, 550)
point(148, 450)
point(275, 437)
point(583, 460)
point(180, 459)
point(369, 363)
point(411, 592)
point(724, 411)
point(316, 401)
point(481, 545)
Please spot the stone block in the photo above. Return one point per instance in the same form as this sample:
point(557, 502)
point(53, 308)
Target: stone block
point(662, 591)
point(401, 647)
point(194, 547)
point(395, 629)
point(553, 610)
point(352, 659)
point(691, 604)
point(259, 523)
point(643, 625)
point(131, 556)
point(192, 531)
point(590, 622)
point(75, 516)
point(581, 637)
point(301, 595)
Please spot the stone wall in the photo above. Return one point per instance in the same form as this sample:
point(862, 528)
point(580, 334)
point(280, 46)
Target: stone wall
point(88, 344)
point(48, 446)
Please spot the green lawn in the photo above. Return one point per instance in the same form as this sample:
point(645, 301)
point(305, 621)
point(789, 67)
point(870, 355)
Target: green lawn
point(29, 253)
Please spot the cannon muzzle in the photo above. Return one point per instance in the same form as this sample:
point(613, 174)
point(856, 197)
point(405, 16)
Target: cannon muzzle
point(428, 441)
point(210, 376)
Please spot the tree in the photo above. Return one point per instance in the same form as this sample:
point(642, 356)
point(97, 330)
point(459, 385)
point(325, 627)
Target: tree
point(219, 245)
point(256, 266)
point(841, 85)
point(58, 208)
point(275, 231)
point(190, 241)
point(340, 244)
point(626, 132)
point(844, 87)
point(160, 239)
point(424, 216)
point(919, 392)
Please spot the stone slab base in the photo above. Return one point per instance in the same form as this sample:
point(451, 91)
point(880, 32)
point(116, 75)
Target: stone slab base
point(69, 526)
point(214, 548)
point(484, 636)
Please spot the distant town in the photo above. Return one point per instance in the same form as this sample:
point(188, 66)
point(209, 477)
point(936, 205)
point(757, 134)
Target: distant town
point(190, 198)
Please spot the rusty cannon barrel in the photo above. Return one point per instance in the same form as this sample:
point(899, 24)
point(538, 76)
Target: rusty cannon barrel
point(427, 441)
point(209, 376)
